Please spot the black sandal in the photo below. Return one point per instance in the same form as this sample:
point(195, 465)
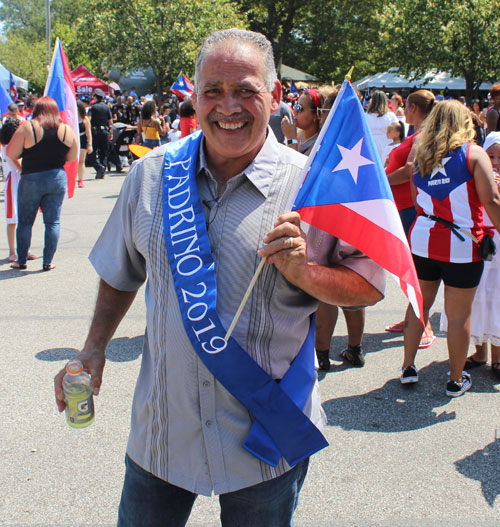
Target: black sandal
point(16, 265)
point(471, 363)
point(323, 360)
point(355, 355)
point(495, 368)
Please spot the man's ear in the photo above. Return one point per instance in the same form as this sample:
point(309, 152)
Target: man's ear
point(194, 100)
point(276, 94)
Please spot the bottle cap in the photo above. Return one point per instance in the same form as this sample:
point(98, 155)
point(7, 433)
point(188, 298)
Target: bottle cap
point(74, 366)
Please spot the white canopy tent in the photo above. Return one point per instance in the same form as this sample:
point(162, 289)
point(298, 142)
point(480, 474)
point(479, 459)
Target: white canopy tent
point(5, 79)
point(292, 74)
point(432, 80)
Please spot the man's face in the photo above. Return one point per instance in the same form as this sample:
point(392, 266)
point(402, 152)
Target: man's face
point(12, 114)
point(233, 104)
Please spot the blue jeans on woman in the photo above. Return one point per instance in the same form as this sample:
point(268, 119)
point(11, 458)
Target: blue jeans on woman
point(148, 501)
point(45, 190)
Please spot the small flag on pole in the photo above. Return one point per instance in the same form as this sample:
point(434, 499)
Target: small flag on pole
point(293, 88)
point(182, 87)
point(12, 88)
point(60, 87)
point(346, 193)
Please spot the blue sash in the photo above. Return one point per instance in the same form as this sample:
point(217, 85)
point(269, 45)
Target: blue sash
point(280, 428)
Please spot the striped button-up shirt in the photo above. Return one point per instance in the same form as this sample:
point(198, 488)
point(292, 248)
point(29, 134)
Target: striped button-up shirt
point(186, 428)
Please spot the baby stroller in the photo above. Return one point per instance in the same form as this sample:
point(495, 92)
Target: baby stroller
point(123, 136)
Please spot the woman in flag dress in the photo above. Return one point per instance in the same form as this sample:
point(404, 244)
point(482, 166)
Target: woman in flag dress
point(453, 179)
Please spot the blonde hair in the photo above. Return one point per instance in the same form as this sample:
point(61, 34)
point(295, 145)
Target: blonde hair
point(448, 127)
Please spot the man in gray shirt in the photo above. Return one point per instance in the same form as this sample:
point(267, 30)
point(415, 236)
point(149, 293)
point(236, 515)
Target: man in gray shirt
point(188, 430)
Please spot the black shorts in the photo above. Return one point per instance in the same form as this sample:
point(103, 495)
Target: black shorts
point(461, 275)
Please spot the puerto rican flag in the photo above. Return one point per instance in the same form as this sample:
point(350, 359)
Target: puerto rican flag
point(5, 100)
point(12, 88)
point(182, 87)
point(346, 193)
point(60, 87)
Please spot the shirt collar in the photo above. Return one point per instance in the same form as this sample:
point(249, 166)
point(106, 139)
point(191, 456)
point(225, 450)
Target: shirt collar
point(260, 171)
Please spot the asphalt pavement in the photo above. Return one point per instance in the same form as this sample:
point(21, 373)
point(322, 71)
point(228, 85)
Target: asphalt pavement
point(398, 456)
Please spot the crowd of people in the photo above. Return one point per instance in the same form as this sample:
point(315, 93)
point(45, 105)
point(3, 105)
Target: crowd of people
point(244, 431)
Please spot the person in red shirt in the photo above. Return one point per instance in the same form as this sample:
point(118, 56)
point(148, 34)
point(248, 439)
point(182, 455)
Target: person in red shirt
point(399, 171)
point(188, 123)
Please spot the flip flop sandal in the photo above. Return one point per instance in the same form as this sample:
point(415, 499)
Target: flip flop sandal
point(430, 341)
point(396, 328)
point(32, 256)
point(16, 265)
point(48, 267)
point(471, 363)
point(12, 258)
point(354, 355)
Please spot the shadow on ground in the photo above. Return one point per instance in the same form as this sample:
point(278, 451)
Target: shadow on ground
point(400, 408)
point(121, 349)
point(482, 466)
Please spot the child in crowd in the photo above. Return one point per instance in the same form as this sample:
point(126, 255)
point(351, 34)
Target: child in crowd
point(396, 134)
point(174, 133)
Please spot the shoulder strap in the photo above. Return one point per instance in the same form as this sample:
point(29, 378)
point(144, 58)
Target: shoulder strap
point(34, 133)
point(64, 136)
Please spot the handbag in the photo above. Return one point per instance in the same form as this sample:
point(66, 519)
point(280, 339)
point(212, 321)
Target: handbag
point(487, 247)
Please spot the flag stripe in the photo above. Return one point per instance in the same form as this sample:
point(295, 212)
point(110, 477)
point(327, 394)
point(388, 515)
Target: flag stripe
point(371, 239)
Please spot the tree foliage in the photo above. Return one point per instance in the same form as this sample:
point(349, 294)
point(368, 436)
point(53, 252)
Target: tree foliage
point(336, 35)
point(458, 36)
point(322, 38)
point(165, 35)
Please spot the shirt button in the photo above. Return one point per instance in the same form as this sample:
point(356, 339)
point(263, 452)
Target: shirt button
point(206, 383)
point(208, 423)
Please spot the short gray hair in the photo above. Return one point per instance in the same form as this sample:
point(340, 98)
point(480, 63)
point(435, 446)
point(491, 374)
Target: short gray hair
point(232, 35)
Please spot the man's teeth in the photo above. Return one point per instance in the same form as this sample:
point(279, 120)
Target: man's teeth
point(231, 126)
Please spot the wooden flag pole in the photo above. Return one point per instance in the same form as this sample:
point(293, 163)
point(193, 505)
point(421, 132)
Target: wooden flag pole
point(245, 298)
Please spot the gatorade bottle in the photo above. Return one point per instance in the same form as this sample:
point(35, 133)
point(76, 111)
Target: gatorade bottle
point(78, 395)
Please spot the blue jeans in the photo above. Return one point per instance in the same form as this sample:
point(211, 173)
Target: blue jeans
point(148, 501)
point(151, 143)
point(45, 190)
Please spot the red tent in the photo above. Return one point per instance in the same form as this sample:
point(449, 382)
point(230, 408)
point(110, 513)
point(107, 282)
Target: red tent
point(86, 82)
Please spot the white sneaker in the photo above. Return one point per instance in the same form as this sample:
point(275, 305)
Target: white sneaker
point(409, 375)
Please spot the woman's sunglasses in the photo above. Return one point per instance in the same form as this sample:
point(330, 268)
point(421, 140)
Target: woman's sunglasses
point(299, 108)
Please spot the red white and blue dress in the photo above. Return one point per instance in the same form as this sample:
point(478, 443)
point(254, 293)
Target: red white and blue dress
point(449, 193)
point(12, 175)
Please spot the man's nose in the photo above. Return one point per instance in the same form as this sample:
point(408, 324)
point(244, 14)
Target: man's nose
point(229, 104)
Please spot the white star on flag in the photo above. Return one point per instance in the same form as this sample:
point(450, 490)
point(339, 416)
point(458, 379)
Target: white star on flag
point(440, 168)
point(352, 160)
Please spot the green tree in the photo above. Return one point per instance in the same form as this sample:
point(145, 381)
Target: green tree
point(165, 35)
point(23, 50)
point(458, 36)
point(26, 59)
point(276, 19)
point(336, 35)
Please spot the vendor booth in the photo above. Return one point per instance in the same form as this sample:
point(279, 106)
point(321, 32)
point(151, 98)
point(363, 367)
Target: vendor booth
point(86, 82)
